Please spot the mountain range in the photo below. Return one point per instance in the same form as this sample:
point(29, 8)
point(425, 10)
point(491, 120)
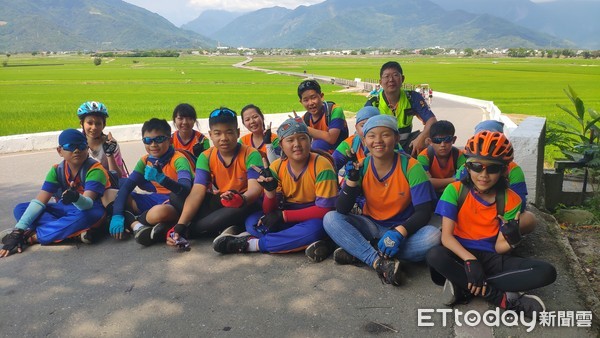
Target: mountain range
point(35, 25)
point(379, 24)
point(38, 25)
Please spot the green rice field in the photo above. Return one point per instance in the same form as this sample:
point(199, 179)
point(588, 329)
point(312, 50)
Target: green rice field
point(42, 93)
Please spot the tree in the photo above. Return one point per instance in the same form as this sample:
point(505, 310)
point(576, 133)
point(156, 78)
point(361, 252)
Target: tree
point(97, 61)
point(468, 51)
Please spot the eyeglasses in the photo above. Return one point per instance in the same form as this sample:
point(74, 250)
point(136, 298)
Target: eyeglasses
point(446, 139)
point(158, 139)
point(395, 76)
point(480, 167)
point(72, 146)
point(221, 112)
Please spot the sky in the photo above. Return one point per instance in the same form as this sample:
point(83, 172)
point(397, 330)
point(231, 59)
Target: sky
point(184, 11)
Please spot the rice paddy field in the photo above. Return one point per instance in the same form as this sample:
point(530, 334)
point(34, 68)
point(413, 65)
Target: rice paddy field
point(42, 93)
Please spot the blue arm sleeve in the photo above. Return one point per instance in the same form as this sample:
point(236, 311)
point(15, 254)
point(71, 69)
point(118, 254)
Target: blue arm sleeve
point(124, 191)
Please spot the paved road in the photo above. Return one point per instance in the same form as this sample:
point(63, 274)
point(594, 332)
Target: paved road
point(121, 289)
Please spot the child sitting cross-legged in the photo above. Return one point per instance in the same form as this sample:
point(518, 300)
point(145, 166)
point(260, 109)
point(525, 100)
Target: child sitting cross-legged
point(80, 181)
point(480, 225)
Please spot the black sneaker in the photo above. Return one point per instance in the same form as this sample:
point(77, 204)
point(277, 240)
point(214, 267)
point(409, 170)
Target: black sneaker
point(232, 230)
point(143, 235)
point(342, 257)
point(529, 305)
point(452, 294)
point(129, 219)
point(227, 244)
point(389, 271)
point(319, 250)
point(87, 236)
point(159, 232)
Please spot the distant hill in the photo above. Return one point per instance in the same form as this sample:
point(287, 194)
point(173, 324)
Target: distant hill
point(380, 24)
point(211, 21)
point(573, 20)
point(33, 25)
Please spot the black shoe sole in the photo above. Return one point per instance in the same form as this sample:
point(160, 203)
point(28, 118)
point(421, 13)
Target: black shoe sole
point(318, 251)
point(142, 236)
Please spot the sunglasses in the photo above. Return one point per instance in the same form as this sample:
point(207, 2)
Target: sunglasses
point(438, 140)
point(158, 139)
point(72, 146)
point(479, 167)
point(222, 112)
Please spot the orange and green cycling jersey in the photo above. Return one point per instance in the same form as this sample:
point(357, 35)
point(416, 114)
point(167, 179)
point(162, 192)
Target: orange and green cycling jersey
point(316, 185)
point(262, 147)
point(213, 172)
point(438, 171)
point(189, 145)
point(477, 225)
point(390, 199)
point(95, 178)
point(516, 181)
point(178, 168)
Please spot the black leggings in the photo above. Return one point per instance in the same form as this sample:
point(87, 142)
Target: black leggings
point(504, 272)
point(213, 218)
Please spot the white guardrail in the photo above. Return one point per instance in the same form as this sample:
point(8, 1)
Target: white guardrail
point(132, 132)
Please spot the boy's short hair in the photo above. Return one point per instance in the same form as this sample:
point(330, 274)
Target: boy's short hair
point(184, 110)
point(442, 128)
point(390, 64)
point(308, 85)
point(223, 115)
point(160, 125)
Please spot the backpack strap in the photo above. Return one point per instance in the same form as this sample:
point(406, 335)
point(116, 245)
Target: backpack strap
point(306, 118)
point(454, 152)
point(500, 201)
point(462, 196)
point(404, 163)
point(355, 144)
point(430, 155)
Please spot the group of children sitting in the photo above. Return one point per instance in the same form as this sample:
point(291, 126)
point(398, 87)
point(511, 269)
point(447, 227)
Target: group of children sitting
point(310, 187)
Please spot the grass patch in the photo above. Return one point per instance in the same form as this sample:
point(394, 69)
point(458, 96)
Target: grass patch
point(35, 99)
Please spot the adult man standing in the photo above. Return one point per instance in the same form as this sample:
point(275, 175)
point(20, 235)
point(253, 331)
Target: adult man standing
point(403, 105)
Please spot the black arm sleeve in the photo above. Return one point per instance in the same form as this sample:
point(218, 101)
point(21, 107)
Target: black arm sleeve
point(346, 199)
point(419, 218)
point(181, 188)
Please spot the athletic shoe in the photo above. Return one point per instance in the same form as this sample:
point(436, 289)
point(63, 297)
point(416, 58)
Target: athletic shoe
point(452, 294)
point(319, 250)
point(129, 219)
point(142, 235)
point(159, 232)
point(389, 271)
point(342, 257)
point(232, 230)
point(227, 244)
point(86, 237)
point(529, 305)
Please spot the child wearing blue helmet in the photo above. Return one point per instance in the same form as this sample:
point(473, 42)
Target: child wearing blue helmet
point(102, 147)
